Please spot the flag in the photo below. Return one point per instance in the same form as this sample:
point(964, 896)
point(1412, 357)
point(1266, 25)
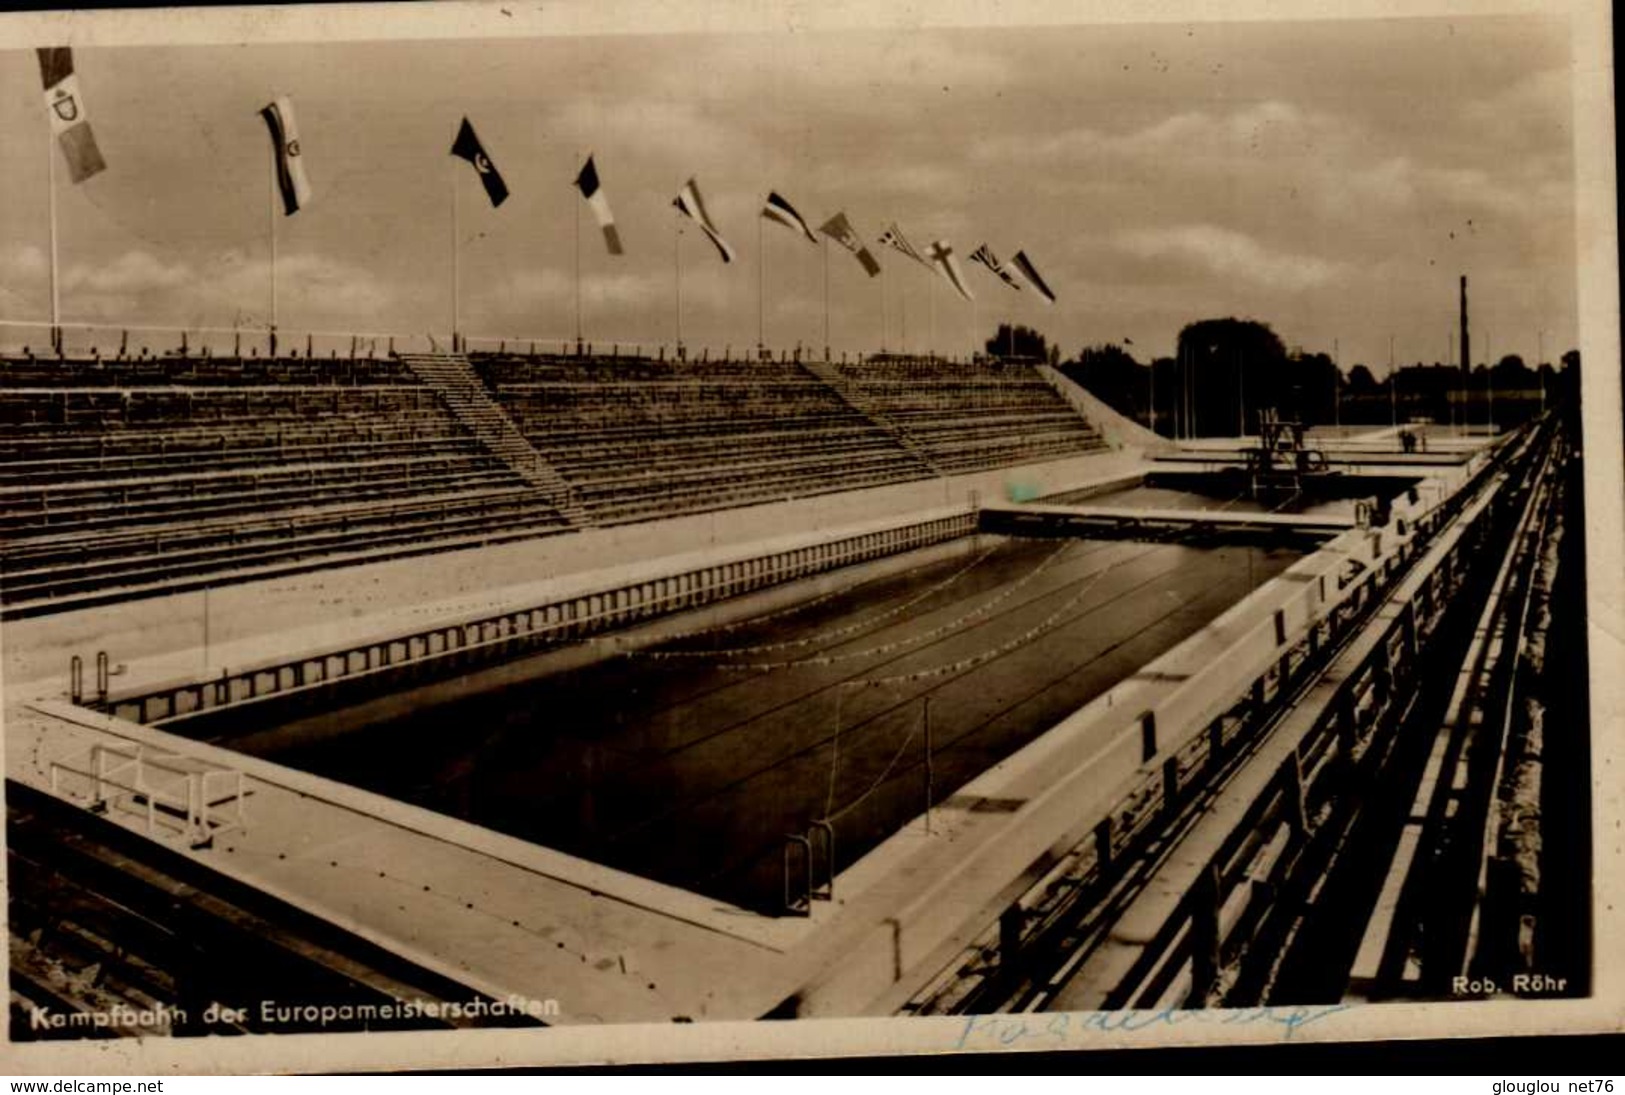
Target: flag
point(690, 204)
point(68, 120)
point(781, 211)
point(1024, 267)
point(987, 259)
point(468, 147)
point(943, 256)
point(893, 237)
point(587, 183)
point(839, 229)
point(290, 165)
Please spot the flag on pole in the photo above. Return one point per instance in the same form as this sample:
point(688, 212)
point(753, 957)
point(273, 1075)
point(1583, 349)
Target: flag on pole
point(691, 205)
point(467, 146)
point(1024, 267)
point(290, 164)
point(893, 237)
point(943, 256)
point(987, 259)
point(587, 183)
point(67, 108)
point(839, 229)
point(782, 212)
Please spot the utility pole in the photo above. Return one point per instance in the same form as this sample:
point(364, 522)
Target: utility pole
point(1337, 387)
point(1540, 362)
point(1393, 385)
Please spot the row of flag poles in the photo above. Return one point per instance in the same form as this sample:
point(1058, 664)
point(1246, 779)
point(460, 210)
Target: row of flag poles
point(291, 191)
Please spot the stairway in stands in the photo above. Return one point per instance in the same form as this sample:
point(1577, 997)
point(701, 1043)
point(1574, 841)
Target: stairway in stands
point(852, 397)
point(454, 378)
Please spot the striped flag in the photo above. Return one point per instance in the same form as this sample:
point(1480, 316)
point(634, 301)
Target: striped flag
point(467, 146)
point(587, 183)
point(1025, 268)
point(943, 256)
point(893, 237)
point(67, 109)
point(782, 212)
point(987, 259)
point(290, 164)
point(839, 229)
point(691, 205)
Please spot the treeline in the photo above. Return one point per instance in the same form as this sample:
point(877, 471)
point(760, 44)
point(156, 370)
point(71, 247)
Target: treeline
point(1225, 372)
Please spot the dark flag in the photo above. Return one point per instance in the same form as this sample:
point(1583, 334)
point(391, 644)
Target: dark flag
point(1025, 268)
point(779, 210)
point(67, 108)
point(290, 164)
point(468, 147)
point(839, 229)
point(987, 258)
point(587, 183)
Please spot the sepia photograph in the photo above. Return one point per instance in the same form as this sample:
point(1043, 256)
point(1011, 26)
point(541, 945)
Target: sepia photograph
point(623, 533)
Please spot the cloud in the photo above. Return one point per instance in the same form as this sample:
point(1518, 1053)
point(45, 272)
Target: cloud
point(1228, 254)
point(138, 287)
point(131, 273)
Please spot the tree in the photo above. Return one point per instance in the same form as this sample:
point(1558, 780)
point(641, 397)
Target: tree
point(1018, 344)
point(1361, 382)
point(1112, 374)
point(1226, 371)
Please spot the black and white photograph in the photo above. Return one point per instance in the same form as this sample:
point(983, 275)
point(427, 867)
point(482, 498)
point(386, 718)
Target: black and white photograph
point(644, 528)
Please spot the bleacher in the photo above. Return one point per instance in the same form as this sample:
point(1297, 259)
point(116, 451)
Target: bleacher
point(970, 416)
point(127, 475)
point(164, 473)
point(639, 439)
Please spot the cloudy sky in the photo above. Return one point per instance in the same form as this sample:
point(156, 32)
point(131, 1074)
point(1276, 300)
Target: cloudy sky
point(1329, 178)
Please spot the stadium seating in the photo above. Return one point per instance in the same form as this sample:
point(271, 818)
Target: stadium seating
point(155, 474)
point(638, 439)
point(119, 476)
point(969, 416)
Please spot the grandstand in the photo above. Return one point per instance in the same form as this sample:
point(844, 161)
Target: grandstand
point(147, 475)
point(132, 476)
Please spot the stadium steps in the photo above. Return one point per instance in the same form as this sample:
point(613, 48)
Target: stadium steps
point(453, 376)
point(101, 917)
point(854, 398)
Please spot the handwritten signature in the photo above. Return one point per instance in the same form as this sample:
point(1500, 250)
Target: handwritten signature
point(991, 1031)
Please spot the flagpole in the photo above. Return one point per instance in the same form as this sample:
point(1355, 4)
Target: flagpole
point(902, 295)
point(1449, 359)
point(1151, 403)
point(1241, 396)
point(823, 249)
point(272, 334)
point(454, 248)
point(931, 340)
point(885, 312)
point(1393, 386)
point(50, 169)
point(577, 205)
point(677, 252)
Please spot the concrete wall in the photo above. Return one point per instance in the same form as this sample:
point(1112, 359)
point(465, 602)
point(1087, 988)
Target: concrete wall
point(1119, 431)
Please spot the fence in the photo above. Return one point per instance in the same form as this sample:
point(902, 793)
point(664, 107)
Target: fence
point(82, 340)
point(465, 644)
